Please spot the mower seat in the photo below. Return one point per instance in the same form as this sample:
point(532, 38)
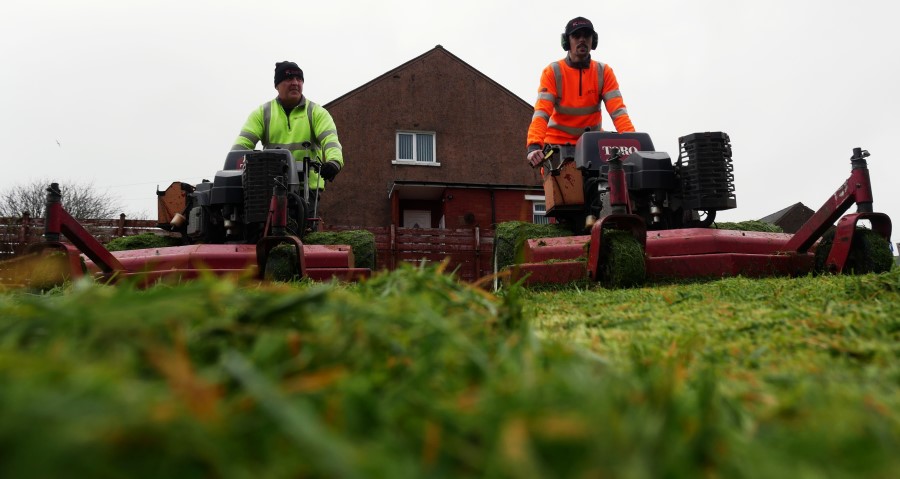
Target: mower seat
point(594, 148)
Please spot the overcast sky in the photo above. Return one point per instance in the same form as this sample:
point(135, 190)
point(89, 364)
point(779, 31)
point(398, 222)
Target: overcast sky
point(134, 94)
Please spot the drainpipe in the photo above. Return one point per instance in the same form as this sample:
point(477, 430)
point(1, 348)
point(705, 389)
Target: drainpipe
point(493, 211)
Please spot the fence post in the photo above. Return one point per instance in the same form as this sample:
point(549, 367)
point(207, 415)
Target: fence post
point(393, 235)
point(24, 227)
point(478, 273)
point(23, 234)
point(120, 231)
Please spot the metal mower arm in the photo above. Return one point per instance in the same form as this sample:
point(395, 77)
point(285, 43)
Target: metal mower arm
point(856, 189)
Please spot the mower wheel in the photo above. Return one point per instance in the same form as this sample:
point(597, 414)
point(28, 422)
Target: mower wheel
point(869, 253)
point(699, 218)
point(48, 270)
point(282, 264)
point(622, 260)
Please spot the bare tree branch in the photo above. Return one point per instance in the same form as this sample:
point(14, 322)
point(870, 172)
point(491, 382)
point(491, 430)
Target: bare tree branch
point(81, 200)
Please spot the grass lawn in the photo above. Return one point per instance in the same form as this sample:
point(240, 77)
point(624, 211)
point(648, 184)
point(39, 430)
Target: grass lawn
point(412, 374)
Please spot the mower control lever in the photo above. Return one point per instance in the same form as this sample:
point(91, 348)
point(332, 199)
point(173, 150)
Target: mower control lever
point(551, 151)
point(858, 160)
point(616, 154)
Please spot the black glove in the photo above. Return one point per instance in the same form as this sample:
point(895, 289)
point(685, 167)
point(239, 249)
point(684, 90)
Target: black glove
point(329, 170)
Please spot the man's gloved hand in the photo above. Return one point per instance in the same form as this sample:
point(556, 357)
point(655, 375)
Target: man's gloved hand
point(535, 158)
point(329, 170)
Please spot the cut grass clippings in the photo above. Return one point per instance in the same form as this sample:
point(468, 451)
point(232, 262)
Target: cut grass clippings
point(141, 241)
point(750, 225)
point(623, 265)
point(412, 374)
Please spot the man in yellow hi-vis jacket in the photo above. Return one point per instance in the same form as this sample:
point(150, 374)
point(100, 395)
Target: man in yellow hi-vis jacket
point(292, 122)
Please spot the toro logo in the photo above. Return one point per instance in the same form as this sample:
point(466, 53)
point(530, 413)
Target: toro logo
point(576, 24)
point(626, 147)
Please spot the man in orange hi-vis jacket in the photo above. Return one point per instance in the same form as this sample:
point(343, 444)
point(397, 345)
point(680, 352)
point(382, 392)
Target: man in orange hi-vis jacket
point(571, 93)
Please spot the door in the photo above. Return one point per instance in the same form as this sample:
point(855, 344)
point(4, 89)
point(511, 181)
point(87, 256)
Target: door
point(416, 219)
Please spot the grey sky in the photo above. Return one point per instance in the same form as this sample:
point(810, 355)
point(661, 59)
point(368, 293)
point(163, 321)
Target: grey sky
point(140, 93)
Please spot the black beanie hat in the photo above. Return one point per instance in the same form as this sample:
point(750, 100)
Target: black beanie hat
point(285, 70)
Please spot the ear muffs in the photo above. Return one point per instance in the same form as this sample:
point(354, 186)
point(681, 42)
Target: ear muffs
point(564, 41)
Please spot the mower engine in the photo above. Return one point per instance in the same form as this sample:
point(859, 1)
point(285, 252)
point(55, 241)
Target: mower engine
point(234, 207)
point(666, 195)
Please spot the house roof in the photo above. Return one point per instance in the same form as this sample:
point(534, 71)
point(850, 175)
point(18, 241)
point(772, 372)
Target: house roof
point(776, 216)
point(437, 50)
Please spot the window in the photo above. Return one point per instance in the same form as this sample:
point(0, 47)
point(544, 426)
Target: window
point(538, 211)
point(416, 147)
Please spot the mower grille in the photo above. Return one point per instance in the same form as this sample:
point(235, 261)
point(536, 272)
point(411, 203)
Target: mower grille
point(704, 162)
point(260, 173)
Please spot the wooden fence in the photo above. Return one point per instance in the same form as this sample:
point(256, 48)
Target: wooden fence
point(17, 233)
point(467, 250)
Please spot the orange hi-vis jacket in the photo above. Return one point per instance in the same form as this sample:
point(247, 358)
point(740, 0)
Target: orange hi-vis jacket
point(569, 101)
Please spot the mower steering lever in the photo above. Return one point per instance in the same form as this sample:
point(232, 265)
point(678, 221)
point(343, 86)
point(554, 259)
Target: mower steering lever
point(549, 152)
point(616, 154)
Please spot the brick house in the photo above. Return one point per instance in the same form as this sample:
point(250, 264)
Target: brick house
point(433, 143)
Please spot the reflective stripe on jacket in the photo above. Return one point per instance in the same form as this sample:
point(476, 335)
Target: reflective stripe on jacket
point(270, 126)
point(569, 101)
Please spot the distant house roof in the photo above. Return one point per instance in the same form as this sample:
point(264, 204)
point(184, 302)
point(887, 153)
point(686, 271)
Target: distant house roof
point(437, 50)
point(772, 218)
point(791, 218)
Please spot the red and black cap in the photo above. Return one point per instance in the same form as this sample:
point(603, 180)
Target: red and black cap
point(579, 23)
point(285, 70)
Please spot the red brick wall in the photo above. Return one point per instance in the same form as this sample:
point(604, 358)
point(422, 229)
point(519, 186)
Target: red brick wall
point(469, 207)
point(480, 132)
point(511, 206)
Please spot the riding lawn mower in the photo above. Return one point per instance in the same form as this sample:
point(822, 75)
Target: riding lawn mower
point(638, 215)
point(249, 220)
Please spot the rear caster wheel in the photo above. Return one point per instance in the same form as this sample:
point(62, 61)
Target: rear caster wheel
point(869, 253)
point(699, 218)
point(622, 259)
point(282, 264)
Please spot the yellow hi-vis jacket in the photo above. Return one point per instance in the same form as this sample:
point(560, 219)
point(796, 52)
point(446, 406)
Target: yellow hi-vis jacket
point(569, 102)
point(270, 126)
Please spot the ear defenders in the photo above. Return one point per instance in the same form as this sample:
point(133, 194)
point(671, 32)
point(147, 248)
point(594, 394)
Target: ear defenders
point(564, 41)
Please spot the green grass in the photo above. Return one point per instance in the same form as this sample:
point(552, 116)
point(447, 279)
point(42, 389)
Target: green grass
point(809, 367)
point(412, 374)
point(143, 240)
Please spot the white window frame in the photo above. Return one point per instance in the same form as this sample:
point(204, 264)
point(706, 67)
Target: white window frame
point(535, 201)
point(414, 161)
